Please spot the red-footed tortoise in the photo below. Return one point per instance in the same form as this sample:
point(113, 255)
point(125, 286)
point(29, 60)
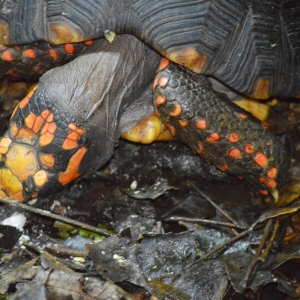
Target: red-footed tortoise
point(69, 125)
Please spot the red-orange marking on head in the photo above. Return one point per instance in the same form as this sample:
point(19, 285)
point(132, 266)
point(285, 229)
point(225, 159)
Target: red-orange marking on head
point(88, 43)
point(261, 159)
point(160, 100)
point(201, 124)
point(235, 153)
point(271, 183)
point(163, 64)
point(262, 179)
point(71, 172)
point(155, 81)
point(176, 111)
point(29, 120)
point(249, 148)
point(268, 144)
point(7, 55)
point(163, 81)
point(183, 123)
point(69, 48)
point(243, 116)
point(213, 138)
point(54, 53)
point(38, 124)
point(24, 102)
point(233, 138)
point(30, 53)
point(16, 47)
point(223, 167)
point(45, 113)
point(272, 172)
point(200, 148)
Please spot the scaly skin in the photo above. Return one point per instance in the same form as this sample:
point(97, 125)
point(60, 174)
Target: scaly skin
point(218, 130)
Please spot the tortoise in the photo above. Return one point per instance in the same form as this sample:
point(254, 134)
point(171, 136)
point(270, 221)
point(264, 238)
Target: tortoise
point(69, 125)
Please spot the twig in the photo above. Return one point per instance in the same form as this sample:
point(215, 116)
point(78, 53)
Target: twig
point(258, 252)
point(54, 216)
point(203, 221)
point(223, 212)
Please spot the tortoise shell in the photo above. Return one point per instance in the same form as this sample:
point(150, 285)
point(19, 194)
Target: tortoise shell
point(250, 45)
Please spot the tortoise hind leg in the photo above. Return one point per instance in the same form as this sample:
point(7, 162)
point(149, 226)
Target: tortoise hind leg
point(218, 130)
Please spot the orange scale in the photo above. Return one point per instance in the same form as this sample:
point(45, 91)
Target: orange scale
point(163, 64)
point(155, 81)
point(261, 159)
point(30, 120)
point(176, 111)
point(264, 192)
point(235, 153)
point(88, 43)
point(69, 144)
point(45, 114)
point(163, 81)
point(233, 138)
point(72, 126)
point(69, 48)
point(73, 136)
point(38, 124)
point(249, 148)
point(40, 178)
point(52, 127)
point(54, 54)
point(7, 55)
point(46, 139)
point(71, 172)
point(160, 100)
point(201, 124)
point(25, 134)
point(272, 173)
point(200, 148)
point(48, 160)
point(50, 118)
point(223, 167)
point(29, 53)
point(80, 131)
point(14, 129)
point(213, 138)
point(183, 123)
point(15, 109)
point(271, 183)
point(45, 128)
